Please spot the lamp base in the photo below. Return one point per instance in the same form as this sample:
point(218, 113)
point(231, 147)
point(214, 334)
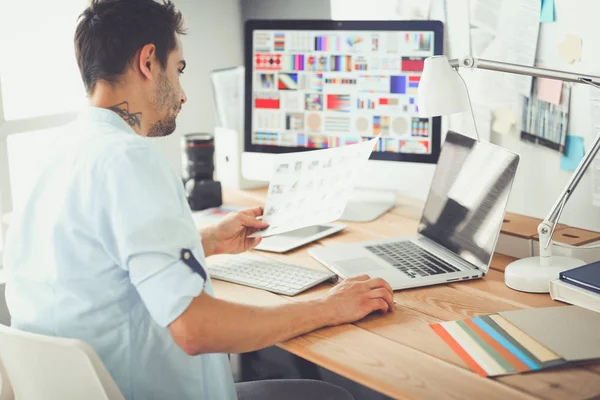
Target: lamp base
point(529, 275)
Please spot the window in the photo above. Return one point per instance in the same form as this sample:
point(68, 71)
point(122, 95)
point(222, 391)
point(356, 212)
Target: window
point(40, 85)
point(38, 71)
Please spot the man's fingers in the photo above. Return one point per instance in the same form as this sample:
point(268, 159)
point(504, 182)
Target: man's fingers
point(382, 293)
point(379, 282)
point(378, 305)
point(252, 222)
point(359, 278)
point(253, 242)
point(253, 212)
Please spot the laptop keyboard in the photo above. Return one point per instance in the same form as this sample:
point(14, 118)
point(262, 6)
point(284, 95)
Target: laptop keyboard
point(411, 259)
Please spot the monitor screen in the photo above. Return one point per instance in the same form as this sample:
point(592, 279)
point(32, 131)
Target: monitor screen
point(314, 87)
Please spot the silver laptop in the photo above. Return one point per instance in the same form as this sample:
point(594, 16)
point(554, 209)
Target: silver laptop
point(459, 227)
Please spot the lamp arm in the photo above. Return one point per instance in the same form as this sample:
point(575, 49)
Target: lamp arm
point(472, 62)
point(556, 209)
point(547, 227)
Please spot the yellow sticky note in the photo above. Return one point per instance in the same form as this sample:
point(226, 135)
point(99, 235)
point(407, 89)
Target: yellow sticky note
point(570, 49)
point(504, 119)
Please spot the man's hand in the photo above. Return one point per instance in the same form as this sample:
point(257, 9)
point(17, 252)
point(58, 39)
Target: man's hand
point(213, 325)
point(230, 236)
point(355, 298)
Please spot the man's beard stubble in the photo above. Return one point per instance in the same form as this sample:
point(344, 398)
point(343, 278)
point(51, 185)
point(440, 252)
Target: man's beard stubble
point(164, 98)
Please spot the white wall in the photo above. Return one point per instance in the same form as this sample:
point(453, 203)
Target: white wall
point(214, 40)
point(539, 179)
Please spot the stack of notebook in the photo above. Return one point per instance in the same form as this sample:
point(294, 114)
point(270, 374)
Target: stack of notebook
point(525, 340)
point(579, 286)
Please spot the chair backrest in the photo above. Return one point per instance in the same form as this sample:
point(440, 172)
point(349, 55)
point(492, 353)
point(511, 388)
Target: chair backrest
point(46, 367)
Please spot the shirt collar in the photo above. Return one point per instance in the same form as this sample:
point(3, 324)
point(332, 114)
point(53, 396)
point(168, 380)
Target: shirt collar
point(97, 114)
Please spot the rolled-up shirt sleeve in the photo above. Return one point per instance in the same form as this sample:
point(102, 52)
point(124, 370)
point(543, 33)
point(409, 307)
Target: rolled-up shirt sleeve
point(152, 235)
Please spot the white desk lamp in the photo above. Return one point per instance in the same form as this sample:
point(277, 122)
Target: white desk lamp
point(442, 91)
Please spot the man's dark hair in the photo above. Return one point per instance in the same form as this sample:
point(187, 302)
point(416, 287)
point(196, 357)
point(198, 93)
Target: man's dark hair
point(110, 32)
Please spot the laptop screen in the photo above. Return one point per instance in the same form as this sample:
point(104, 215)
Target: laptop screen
point(468, 196)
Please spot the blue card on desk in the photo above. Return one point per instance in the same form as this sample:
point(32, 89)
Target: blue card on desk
point(587, 276)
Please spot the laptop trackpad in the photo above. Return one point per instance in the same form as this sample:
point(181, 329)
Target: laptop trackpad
point(358, 266)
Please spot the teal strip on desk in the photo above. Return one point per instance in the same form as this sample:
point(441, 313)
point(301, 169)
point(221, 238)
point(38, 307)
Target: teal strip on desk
point(504, 342)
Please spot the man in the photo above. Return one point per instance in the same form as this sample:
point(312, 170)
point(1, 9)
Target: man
point(105, 248)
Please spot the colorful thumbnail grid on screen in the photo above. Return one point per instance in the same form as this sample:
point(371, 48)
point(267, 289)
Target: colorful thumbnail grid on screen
point(319, 89)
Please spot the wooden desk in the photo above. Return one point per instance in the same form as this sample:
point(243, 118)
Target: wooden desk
point(398, 354)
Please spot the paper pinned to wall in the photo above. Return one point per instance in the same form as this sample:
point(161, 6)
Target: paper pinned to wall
point(570, 49)
point(514, 25)
point(519, 30)
point(480, 40)
point(312, 187)
point(504, 119)
point(573, 155)
point(493, 88)
point(413, 9)
point(547, 14)
point(485, 14)
point(458, 28)
point(228, 91)
point(549, 90)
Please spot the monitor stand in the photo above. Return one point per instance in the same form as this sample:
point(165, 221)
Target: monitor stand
point(367, 205)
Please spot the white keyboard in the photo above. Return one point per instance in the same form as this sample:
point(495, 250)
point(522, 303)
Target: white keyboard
point(267, 274)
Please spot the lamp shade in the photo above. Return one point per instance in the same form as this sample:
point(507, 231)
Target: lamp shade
point(441, 90)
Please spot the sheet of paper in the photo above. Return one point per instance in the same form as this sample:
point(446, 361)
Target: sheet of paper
point(549, 90)
point(228, 90)
point(485, 14)
point(312, 187)
point(518, 30)
point(492, 88)
point(480, 40)
point(547, 14)
point(570, 49)
point(458, 28)
point(574, 152)
point(413, 9)
point(514, 25)
point(504, 119)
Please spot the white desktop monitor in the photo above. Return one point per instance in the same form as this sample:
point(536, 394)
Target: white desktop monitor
point(313, 84)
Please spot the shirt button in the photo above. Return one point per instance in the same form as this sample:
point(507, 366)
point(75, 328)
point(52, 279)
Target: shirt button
point(186, 255)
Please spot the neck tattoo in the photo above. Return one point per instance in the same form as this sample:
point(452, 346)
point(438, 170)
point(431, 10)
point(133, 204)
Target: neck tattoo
point(133, 119)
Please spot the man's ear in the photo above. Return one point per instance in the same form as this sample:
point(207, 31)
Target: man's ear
point(147, 61)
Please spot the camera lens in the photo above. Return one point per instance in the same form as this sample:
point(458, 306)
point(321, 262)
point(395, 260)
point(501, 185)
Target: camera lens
point(198, 156)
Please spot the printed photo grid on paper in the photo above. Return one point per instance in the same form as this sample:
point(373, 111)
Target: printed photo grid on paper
point(311, 188)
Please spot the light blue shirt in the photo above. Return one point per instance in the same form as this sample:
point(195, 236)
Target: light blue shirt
point(95, 254)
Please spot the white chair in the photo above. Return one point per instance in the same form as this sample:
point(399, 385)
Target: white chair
point(40, 367)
